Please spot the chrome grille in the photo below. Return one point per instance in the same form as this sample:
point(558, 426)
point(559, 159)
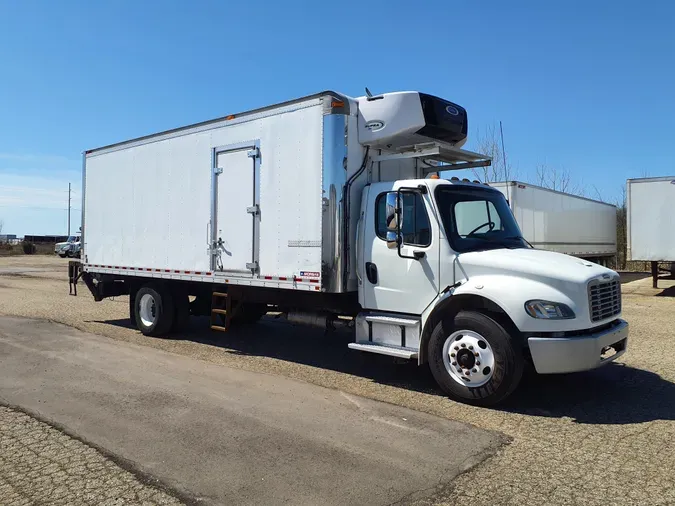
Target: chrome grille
point(604, 299)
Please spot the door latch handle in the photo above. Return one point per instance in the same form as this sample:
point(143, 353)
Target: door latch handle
point(371, 272)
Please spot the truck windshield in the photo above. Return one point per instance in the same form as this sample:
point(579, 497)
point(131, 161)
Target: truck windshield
point(73, 238)
point(477, 219)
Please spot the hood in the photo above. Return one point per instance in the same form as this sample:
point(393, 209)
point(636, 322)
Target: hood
point(61, 244)
point(533, 263)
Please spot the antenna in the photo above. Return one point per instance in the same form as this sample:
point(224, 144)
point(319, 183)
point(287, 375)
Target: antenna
point(368, 92)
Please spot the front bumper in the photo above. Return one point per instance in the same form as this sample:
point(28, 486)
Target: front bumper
point(572, 354)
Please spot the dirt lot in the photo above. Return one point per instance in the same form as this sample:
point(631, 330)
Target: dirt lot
point(603, 437)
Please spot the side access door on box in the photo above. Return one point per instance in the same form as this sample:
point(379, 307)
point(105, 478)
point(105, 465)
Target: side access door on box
point(235, 209)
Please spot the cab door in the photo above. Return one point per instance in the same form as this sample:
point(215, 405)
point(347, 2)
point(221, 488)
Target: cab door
point(397, 281)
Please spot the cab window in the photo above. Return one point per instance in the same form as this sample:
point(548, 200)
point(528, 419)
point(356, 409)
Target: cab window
point(416, 228)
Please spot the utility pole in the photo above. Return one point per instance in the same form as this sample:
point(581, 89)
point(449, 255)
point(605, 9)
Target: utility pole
point(501, 132)
point(68, 209)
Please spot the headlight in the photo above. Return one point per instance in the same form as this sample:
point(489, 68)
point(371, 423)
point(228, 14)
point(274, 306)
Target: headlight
point(548, 310)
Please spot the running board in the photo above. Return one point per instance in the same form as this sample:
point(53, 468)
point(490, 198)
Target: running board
point(383, 350)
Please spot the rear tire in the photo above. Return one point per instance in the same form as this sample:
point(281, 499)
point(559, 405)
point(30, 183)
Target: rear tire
point(248, 314)
point(154, 310)
point(62, 255)
point(456, 349)
point(181, 317)
point(132, 309)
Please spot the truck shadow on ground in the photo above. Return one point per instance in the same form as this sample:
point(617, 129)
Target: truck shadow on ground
point(615, 394)
point(667, 292)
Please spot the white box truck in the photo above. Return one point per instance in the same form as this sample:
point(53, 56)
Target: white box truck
point(561, 222)
point(327, 210)
point(650, 221)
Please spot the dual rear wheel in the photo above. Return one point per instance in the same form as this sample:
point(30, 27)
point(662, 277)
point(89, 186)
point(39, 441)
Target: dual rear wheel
point(157, 310)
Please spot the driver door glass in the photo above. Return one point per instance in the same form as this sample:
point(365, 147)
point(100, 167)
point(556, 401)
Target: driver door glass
point(416, 228)
point(471, 214)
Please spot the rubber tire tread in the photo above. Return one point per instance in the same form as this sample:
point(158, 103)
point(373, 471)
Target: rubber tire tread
point(163, 306)
point(509, 362)
point(181, 316)
point(132, 309)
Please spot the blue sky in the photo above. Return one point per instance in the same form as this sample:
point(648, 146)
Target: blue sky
point(588, 86)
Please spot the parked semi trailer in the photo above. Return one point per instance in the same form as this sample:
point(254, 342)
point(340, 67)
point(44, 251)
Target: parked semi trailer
point(327, 210)
point(561, 222)
point(650, 221)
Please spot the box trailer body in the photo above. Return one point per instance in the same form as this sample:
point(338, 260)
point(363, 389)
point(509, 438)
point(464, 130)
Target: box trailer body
point(651, 218)
point(329, 210)
point(161, 202)
point(561, 222)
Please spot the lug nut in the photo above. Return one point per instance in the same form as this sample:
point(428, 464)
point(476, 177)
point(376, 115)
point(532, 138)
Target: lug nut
point(475, 353)
point(477, 362)
point(471, 347)
point(452, 354)
point(474, 370)
point(454, 363)
point(459, 369)
point(463, 345)
point(457, 347)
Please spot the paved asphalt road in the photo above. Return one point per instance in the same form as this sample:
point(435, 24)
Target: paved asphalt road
point(230, 436)
point(41, 465)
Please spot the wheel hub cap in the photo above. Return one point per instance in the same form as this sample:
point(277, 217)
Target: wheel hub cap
point(468, 358)
point(147, 309)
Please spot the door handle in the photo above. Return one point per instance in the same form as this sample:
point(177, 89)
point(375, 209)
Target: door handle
point(371, 272)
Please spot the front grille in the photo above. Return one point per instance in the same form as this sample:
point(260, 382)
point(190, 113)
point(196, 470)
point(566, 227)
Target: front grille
point(604, 299)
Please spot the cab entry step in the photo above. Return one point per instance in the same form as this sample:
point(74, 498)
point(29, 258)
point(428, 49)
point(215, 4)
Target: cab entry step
point(383, 350)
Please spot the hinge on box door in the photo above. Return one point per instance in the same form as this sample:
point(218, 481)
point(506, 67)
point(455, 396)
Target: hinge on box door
point(254, 210)
point(253, 266)
point(217, 170)
point(254, 153)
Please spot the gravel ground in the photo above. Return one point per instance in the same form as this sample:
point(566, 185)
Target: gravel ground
point(602, 437)
point(41, 465)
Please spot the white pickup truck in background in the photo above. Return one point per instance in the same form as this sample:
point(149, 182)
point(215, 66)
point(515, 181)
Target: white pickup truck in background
point(71, 248)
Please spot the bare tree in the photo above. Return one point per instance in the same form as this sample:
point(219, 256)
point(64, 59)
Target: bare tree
point(555, 178)
point(488, 143)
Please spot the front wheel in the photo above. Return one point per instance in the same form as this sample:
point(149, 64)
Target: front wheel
point(62, 255)
point(474, 359)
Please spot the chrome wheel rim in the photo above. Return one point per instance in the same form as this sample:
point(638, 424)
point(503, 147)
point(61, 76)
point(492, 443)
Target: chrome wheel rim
point(147, 309)
point(468, 358)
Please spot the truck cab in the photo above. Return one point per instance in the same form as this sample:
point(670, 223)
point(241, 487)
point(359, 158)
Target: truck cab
point(445, 277)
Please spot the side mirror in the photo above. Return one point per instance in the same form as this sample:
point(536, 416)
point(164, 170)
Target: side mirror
point(393, 212)
point(393, 240)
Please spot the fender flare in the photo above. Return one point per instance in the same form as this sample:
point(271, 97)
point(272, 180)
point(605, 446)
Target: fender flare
point(449, 306)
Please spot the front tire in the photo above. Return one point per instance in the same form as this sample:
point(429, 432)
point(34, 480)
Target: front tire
point(474, 359)
point(154, 310)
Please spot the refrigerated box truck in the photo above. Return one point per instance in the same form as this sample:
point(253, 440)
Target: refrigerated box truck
point(651, 220)
point(561, 222)
point(327, 209)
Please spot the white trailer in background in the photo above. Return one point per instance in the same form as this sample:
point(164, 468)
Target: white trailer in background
point(651, 221)
point(321, 209)
point(561, 222)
